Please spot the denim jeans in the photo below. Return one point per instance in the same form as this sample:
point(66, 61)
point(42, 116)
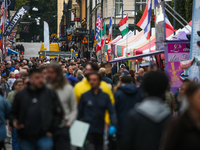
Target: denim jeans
point(15, 141)
point(44, 143)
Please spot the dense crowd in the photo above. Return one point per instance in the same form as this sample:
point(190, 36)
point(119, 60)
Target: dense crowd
point(126, 110)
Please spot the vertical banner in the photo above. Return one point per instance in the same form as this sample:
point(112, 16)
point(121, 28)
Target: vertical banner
point(160, 26)
point(46, 36)
point(176, 52)
point(194, 49)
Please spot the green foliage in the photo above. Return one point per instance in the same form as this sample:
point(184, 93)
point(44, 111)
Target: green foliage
point(184, 8)
point(47, 12)
point(19, 3)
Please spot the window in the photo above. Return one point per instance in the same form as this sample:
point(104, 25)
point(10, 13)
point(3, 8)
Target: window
point(141, 4)
point(118, 7)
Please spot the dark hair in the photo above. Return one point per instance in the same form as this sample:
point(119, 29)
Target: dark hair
point(5, 77)
point(60, 80)
point(94, 66)
point(96, 73)
point(155, 83)
point(192, 87)
point(126, 79)
point(33, 71)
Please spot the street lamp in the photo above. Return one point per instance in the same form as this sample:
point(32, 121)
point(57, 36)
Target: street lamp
point(35, 9)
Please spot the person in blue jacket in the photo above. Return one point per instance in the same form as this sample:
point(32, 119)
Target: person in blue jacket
point(9, 66)
point(126, 97)
point(91, 108)
point(4, 114)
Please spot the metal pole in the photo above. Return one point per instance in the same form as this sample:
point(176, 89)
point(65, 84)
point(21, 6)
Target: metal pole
point(176, 19)
point(135, 19)
point(174, 15)
point(115, 22)
point(177, 14)
point(122, 9)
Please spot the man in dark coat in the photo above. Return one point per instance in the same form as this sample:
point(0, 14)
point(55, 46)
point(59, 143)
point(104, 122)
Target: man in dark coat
point(36, 114)
point(126, 97)
point(145, 123)
point(91, 109)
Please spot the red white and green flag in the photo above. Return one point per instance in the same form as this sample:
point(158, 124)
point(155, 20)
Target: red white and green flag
point(101, 35)
point(124, 25)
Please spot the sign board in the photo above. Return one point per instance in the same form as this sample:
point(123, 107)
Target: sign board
point(160, 26)
point(176, 52)
point(82, 31)
point(85, 40)
point(195, 50)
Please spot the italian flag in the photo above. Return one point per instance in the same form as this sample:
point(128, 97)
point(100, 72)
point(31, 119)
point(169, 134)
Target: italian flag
point(101, 35)
point(124, 26)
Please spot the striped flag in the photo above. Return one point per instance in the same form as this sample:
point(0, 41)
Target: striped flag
point(124, 26)
point(110, 28)
point(98, 27)
point(145, 21)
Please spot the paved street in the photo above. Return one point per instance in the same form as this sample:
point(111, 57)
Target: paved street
point(31, 49)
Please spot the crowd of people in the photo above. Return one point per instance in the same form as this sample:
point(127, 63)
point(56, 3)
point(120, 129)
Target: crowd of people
point(40, 99)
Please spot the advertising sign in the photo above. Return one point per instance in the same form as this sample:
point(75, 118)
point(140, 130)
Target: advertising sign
point(195, 50)
point(16, 19)
point(177, 52)
point(160, 26)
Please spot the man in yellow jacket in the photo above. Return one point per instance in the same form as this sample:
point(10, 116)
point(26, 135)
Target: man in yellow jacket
point(84, 86)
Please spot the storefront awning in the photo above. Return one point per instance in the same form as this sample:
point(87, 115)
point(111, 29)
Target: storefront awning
point(136, 56)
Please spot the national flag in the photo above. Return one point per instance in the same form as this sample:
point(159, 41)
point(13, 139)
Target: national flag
point(145, 21)
point(2, 9)
point(124, 25)
point(101, 35)
point(110, 28)
point(98, 27)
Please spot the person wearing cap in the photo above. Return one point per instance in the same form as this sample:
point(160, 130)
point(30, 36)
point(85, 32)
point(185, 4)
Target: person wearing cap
point(146, 121)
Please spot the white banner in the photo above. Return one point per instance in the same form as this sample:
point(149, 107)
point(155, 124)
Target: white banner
point(46, 36)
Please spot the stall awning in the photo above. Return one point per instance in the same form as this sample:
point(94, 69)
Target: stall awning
point(137, 56)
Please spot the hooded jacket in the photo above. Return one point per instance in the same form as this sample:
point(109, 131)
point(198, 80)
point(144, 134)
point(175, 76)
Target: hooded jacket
point(125, 99)
point(144, 125)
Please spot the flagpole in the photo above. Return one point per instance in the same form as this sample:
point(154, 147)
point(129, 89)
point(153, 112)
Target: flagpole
point(127, 37)
point(150, 39)
point(4, 37)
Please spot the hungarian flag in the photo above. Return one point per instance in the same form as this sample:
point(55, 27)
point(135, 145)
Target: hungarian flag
point(124, 26)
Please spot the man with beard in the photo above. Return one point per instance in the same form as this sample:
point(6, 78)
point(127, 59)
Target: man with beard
point(91, 109)
point(84, 86)
point(36, 114)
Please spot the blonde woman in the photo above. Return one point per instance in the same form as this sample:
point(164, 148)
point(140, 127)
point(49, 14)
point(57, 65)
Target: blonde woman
point(79, 75)
point(11, 80)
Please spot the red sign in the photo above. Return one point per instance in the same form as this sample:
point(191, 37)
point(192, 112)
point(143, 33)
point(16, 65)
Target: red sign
point(77, 19)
